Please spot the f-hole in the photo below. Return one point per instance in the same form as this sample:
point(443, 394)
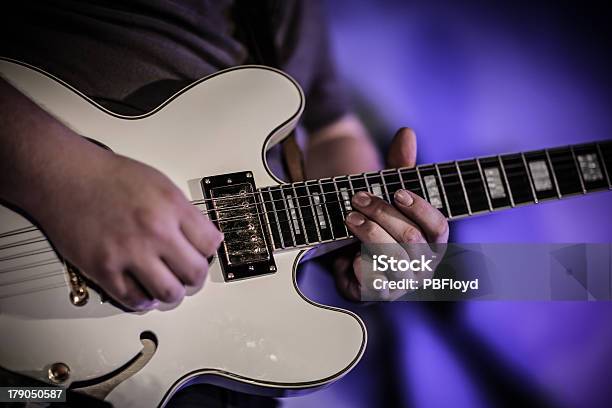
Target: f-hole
point(102, 386)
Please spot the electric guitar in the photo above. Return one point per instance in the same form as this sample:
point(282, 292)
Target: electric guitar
point(249, 328)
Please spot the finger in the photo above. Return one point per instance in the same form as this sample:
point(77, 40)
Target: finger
point(201, 233)
point(345, 279)
point(367, 231)
point(129, 293)
point(366, 278)
point(403, 149)
point(156, 278)
point(429, 219)
point(389, 218)
point(187, 263)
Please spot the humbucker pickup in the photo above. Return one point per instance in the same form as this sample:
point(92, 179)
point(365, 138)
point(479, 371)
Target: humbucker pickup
point(234, 205)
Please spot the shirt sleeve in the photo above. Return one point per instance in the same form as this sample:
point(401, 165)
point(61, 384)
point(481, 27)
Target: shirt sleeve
point(309, 59)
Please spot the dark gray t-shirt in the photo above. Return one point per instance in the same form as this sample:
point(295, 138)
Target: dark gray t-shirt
point(131, 55)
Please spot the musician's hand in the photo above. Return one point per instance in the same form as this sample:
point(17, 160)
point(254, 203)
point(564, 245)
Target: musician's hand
point(128, 228)
point(412, 220)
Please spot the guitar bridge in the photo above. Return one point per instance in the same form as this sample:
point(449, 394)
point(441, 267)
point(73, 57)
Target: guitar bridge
point(235, 207)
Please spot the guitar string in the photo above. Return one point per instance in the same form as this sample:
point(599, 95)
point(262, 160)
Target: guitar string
point(61, 271)
point(48, 249)
point(289, 220)
point(307, 196)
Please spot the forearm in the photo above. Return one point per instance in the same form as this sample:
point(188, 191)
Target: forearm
point(34, 147)
point(344, 147)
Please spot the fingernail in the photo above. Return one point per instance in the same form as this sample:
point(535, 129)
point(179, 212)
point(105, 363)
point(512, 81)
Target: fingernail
point(403, 197)
point(355, 219)
point(361, 199)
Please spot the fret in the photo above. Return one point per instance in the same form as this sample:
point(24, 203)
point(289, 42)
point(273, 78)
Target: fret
point(529, 177)
point(591, 167)
point(334, 205)
point(578, 170)
point(358, 182)
point(265, 220)
point(565, 170)
point(307, 213)
point(345, 192)
point(411, 181)
point(465, 196)
point(606, 154)
point(453, 189)
point(392, 182)
point(350, 189)
point(448, 209)
point(496, 188)
point(268, 203)
point(484, 184)
point(517, 178)
point(541, 175)
point(382, 181)
point(433, 190)
point(278, 200)
point(606, 170)
point(399, 174)
point(320, 207)
point(555, 182)
point(295, 210)
point(420, 178)
point(292, 214)
point(376, 185)
point(503, 171)
point(474, 186)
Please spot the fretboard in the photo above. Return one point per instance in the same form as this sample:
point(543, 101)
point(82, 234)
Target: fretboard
point(312, 212)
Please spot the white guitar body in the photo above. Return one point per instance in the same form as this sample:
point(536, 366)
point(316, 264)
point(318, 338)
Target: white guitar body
point(259, 334)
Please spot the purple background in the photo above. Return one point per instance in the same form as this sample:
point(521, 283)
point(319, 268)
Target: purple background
point(477, 79)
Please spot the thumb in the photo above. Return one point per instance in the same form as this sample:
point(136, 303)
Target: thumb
point(403, 149)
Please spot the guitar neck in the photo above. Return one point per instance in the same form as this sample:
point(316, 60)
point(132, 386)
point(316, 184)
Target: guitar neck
point(311, 212)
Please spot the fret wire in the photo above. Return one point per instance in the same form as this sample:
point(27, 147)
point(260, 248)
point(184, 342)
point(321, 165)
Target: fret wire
point(352, 189)
point(265, 214)
point(270, 237)
point(420, 177)
point(450, 215)
point(535, 197)
point(467, 201)
point(331, 226)
point(299, 209)
point(552, 171)
point(384, 184)
point(341, 204)
point(501, 165)
point(368, 187)
point(578, 170)
point(603, 163)
point(289, 217)
point(280, 233)
point(401, 179)
point(484, 184)
point(314, 213)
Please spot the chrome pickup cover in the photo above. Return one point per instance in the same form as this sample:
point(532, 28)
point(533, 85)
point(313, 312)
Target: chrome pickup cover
point(234, 206)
